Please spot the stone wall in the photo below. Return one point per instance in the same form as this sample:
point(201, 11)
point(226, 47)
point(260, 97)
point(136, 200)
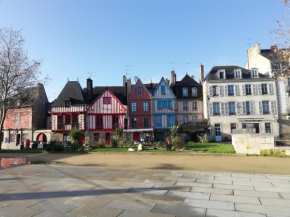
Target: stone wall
point(252, 143)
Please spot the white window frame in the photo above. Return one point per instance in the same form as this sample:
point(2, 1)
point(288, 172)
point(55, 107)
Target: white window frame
point(254, 73)
point(185, 88)
point(194, 106)
point(194, 88)
point(135, 110)
point(236, 71)
point(224, 73)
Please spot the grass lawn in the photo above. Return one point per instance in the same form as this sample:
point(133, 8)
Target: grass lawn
point(210, 148)
point(190, 147)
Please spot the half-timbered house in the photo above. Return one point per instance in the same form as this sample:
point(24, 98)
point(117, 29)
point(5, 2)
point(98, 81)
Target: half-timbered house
point(164, 109)
point(68, 111)
point(105, 114)
point(140, 113)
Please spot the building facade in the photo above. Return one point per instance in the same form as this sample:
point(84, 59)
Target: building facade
point(140, 113)
point(270, 62)
point(29, 117)
point(163, 109)
point(239, 99)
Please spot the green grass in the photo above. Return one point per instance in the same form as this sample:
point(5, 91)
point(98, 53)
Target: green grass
point(210, 148)
point(190, 147)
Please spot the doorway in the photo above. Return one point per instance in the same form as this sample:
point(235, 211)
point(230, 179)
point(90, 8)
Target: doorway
point(108, 138)
point(17, 139)
point(136, 136)
point(217, 130)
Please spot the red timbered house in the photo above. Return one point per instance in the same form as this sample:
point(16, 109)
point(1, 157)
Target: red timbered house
point(105, 114)
point(68, 111)
point(140, 112)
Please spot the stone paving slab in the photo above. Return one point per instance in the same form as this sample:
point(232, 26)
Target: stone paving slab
point(133, 213)
point(131, 205)
point(212, 190)
point(224, 213)
point(275, 202)
point(263, 209)
point(207, 204)
point(179, 210)
point(235, 199)
point(201, 196)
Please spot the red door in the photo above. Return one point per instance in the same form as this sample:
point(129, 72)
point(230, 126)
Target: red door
point(136, 136)
point(108, 138)
point(83, 139)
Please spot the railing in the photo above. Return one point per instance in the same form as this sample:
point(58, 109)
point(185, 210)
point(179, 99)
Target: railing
point(139, 126)
point(194, 123)
point(64, 126)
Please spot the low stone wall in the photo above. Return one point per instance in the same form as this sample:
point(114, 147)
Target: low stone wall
point(252, 143)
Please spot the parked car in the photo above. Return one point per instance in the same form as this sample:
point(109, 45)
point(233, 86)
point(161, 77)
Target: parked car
point(35, 144)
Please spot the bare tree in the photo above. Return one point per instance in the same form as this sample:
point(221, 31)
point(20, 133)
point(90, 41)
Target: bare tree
point(18, 74)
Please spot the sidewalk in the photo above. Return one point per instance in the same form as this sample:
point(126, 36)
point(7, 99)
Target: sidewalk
point(75, 191)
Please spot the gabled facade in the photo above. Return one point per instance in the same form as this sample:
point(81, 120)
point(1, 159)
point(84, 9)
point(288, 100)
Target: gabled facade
point(140, 113)
point(163, 109)
point(270, 62)
point(239, 99)
point(189, 101)
point(68, 111)
point(104, 115)
point(21, 123)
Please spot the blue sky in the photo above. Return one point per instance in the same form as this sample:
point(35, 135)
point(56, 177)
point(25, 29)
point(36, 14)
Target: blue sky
point(74, 37)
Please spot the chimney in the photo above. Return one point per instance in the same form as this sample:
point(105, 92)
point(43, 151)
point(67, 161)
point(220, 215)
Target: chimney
point(89, 88)
point(201, 73)
point(151, 85)
point(172, 78)
point(192, 77)
point(128, 86)
point(124, 85)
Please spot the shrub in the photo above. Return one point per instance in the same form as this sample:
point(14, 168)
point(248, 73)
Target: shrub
point(54, 146)
point(160, 144)
point(75, 135)
point(178, 142)
point(204, 138)
point(117, 138)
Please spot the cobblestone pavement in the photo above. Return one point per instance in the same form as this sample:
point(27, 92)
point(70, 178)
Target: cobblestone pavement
point(45, 190)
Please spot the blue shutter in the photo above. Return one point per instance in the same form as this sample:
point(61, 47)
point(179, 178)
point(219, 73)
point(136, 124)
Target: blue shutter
point(159, 105)
point(162, 89)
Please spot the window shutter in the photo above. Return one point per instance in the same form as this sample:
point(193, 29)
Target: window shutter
point(273, 107)
point(244, 90)
point(259, 89)
point(226, 90)
point(221, 90)
point(237, 90)
point(252, 108)
point(244, 108)
point(210, 109)
point(226, 109)
point(254, 89)
point(260, 108)
point(271, 89)
point(222, 108)
point(210, 91)
point(239, 108)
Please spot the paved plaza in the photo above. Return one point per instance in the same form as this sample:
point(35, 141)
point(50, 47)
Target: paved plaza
point(47, 190)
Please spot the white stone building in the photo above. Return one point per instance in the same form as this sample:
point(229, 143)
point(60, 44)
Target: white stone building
point(269, 62)
point(239, 99)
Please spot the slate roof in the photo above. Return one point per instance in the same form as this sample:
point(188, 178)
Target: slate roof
point(246, 74)
point(151, 87)
point(187, 80)
point(274, 58)
point(72, 91)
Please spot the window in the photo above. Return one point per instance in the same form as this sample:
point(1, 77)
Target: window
point(96, 137)
point(194, 105)
point(67, 103)
point(254, 73)
point(169, 121)
point(267, 128)
point(158, 122)
point(67, 119)
point(248, 88)
point(99, 122)
point(222, 74)
point(248, 110)
point(184, 91)
point(194, 91)
point(185, 106)
point(76, 121)
point(146, 122)
point(12, 138)
point(107, 100)
point(185, 118)
point(24, 137)
point(17, 118)
point(134, 123)
point(215, 90)
point(133, 106)
point(264, 89)
point(278, 66)
point(65, 137)
point(145, 106)
point(164, 104)
point(231, 90)
point(266, 109)
point(139, 90)
point(169, 104)
point(194, 118)
point(233, 127)
point(232, 108)
point(163, 89)
point(159, 104)
point(216, 108)
point(115, 121)
point(238, 73)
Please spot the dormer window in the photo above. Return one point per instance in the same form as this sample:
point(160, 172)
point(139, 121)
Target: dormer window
point(238, 73)
point(139, 90)
point(278, 66)
point(222, 74)
point(254, 73)
point(184, 91)
point(107, 100)
point(67, 103)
